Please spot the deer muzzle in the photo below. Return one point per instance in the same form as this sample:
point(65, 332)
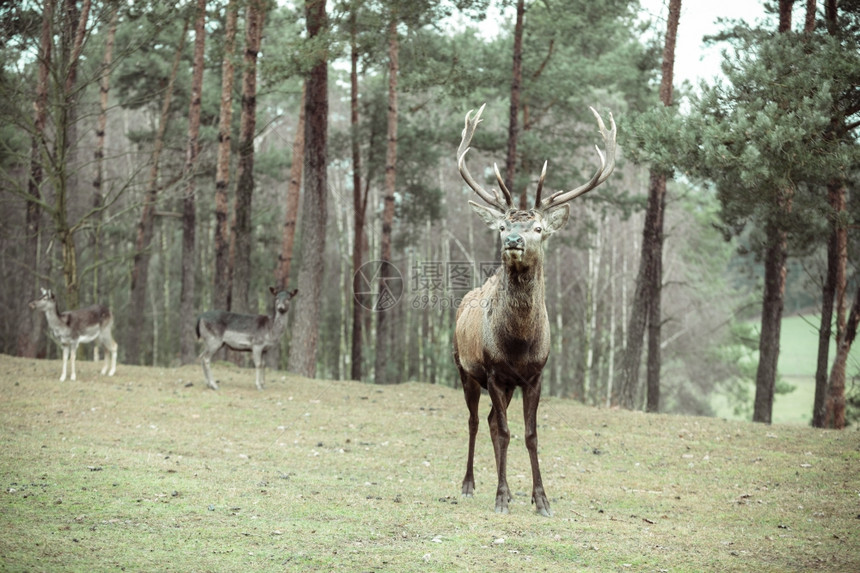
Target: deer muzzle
point(514, 241)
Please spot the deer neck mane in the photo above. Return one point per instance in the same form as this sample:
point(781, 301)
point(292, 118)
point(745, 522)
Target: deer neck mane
point(521, 293)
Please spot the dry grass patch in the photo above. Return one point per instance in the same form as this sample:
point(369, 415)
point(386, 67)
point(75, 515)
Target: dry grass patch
point(150, 470)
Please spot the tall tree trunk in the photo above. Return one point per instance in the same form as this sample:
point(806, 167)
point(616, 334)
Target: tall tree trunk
point(221, 283)
point(285, 258)
point(836, 392)
point(384, 328)
point(830, 16)
point(245, 172)
point(66, 149)
point(809, 23)
point(826, 396)
point(832, 291)
point(187, 335)
point(98, 154)
point(359, 206)
point(771, 323)
point(835, 408)
point(30, 323)
point(284, 265)
point(785, 16)
point(303, 346)
point(145, 228)
point(514, 111)
point(646, 310)
point(774, 288)
point(658, 190)
point(655, 289)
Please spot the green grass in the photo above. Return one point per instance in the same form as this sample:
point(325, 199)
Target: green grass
point(797, 361)
point(151, 471)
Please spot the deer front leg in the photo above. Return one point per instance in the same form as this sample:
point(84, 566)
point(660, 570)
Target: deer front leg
point(73, 351)
point(531, 398)
point(65, 362)
point(257, 354)
point(501, 436)
point(472, 392)
point(96, 357)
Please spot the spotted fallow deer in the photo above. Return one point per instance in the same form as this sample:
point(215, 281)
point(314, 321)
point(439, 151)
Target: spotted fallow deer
point(502, 336)
point(72, 327)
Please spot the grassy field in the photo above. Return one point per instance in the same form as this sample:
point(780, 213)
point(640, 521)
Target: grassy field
point(797, 360)
point(151, 471)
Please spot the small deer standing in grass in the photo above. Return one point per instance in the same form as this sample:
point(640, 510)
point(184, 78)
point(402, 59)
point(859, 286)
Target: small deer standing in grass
point(72, 327)
point(501, 336)
point(243, 332)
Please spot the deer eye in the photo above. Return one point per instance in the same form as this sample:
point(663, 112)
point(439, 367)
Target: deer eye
point(501, 227)
point(538, 229)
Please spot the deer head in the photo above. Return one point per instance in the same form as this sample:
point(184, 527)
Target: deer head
point(522, 232)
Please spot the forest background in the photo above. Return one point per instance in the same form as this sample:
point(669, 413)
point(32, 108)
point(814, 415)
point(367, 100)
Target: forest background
point(152, 158)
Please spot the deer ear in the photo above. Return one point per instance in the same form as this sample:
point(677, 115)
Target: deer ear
point(490, 215)
point(273, 290)
point(556, 218)
point(295, 291)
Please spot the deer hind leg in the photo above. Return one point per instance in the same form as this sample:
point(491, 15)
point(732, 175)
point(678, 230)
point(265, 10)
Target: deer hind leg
point(531, 398)
point(110, 346)
point(472, 391)
point(257, 354)
point(501, 436)
point(206, 357)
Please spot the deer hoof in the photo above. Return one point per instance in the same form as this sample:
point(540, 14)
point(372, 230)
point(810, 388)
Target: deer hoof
point(212, 385)
point(468, 489)
point(542, 505)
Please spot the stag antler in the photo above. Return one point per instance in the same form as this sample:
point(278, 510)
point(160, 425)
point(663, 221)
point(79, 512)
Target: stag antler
point(493, 198)
point(607, 164)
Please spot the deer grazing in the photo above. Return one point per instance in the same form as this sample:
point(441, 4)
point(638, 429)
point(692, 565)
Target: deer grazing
point(243, 332)
point(502, 336)
point(72, 327)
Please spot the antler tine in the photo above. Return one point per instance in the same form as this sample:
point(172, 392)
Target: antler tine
point(540, 185)
point(469, 131)
point(508, 198)
point(608, 136)
point(607, 165)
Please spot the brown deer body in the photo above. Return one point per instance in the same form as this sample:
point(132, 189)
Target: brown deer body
point(502, 336)
point(243, 332)
point(72, 327)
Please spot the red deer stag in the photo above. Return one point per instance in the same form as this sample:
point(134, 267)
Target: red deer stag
point(243, 332)
point(502, 337)
point(72, 327)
